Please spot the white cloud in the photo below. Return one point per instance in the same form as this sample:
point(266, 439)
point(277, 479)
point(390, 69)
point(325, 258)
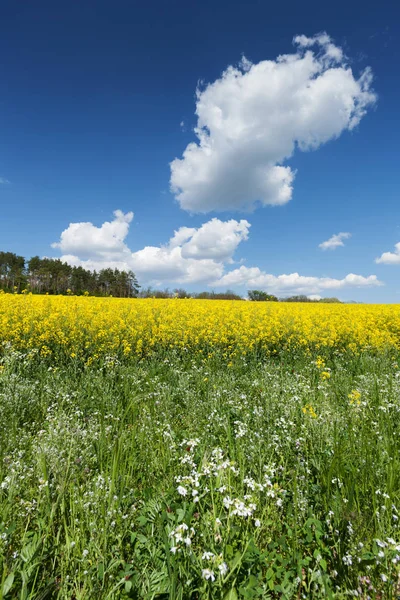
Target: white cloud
point(335, 241)
point(254, 278)
point(4, 181)
point(164, 265)
point(314, 297)
point(181, 235)
point(254, 117)
point(215, 239)
point(323, 40)
point(390, 258)
point(192, 254)
point(106, 242)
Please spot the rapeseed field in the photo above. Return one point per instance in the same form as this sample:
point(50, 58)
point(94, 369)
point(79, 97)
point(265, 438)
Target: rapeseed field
point(90, 328)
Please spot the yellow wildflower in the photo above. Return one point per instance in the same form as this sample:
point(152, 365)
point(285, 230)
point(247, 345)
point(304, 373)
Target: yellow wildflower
point(355, 397)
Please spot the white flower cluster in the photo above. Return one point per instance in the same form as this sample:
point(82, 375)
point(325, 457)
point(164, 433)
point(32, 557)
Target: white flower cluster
point(181, 537)
point(238, 507)
point(240, 429)
point(188, 485)
point(271, 489)
point(217, 565)
point(218, 463)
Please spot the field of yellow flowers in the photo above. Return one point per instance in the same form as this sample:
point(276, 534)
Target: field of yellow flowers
point(92, 328)
point(198, 450)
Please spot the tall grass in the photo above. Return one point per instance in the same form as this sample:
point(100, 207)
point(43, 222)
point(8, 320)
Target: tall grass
point(178, 478)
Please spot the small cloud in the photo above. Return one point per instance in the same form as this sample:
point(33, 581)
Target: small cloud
point(4, 181)
point(335, 241)
point(390, 258)
point(105, 242)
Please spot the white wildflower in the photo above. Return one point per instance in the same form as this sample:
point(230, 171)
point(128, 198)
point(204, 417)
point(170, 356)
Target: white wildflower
point(208, 574)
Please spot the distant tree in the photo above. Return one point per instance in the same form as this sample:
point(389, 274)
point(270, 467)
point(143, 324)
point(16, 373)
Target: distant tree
point(12, 271)
point(228, 295)
point(34, 280)
point(330, 300)
point(146, 292)
point(181, 293)
point(299, 298)
point(204, 296)
point(260, 296)
point(131, 284)
point(150, 292)
point(162, 293)
point(82, 281)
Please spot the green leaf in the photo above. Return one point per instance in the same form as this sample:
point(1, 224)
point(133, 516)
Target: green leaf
point(269, 574)
point(142, 538)
point(271, 584)
point(236, 560)
point(7, 585)
point(181, 514)
point(28, 551)
point(367, 556)
point(231, 595)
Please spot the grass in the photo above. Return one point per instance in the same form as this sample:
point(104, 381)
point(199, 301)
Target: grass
point(180, 478)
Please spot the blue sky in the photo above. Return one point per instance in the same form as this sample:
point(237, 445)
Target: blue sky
point(97, 100)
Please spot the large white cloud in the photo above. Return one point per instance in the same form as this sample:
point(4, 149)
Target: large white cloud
point(254, 117)
point(335, 241)
point(254, 278)
point(192, 255)
point(390, 258)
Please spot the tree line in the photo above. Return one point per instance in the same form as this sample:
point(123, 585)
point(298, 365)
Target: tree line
point(253, 295)
point(53, 276)
point(261, 296)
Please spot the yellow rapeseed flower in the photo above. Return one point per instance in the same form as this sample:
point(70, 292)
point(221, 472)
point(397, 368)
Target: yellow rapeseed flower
point(58, 326)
